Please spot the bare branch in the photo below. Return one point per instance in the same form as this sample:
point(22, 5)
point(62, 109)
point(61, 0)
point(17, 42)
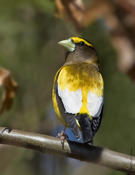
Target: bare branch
point(93, 154)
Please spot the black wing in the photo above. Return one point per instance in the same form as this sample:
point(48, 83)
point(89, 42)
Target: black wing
point(96, 122)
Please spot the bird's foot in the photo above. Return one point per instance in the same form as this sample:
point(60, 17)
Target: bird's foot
point(62, 137)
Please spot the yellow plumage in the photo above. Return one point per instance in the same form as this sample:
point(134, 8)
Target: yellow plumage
point(55, 103)
point(78, 40)
point(82, 76)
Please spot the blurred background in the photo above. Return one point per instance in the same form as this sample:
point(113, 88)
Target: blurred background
point(29, 32)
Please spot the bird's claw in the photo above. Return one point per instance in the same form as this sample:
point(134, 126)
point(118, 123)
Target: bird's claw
point(62, 136)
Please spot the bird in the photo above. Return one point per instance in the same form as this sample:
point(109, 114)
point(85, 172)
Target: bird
point(78, 90)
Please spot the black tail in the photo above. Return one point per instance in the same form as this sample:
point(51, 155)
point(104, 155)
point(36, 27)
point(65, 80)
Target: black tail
point(86, 129)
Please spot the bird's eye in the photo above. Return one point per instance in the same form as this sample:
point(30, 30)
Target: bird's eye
point(82, 43)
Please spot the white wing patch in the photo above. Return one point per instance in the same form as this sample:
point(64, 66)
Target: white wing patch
point(94, 104)
point(72, 101)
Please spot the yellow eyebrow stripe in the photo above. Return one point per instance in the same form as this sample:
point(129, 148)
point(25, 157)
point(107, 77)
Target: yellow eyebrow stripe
point(78, 40)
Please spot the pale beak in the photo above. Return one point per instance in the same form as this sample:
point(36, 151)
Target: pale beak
point(68, 44)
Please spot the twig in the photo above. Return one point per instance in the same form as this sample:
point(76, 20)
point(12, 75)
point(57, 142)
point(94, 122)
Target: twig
point(93, 154)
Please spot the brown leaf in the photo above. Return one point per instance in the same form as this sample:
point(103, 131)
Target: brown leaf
point(59, 8)
point(73, 9)
point(10, 87)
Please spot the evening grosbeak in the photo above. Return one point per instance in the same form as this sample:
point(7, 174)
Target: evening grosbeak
point(78, 89)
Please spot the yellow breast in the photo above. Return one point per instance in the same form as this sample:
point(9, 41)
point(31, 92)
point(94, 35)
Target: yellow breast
point(84, 76)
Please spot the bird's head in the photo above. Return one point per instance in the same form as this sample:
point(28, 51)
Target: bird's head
point(79, 50)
